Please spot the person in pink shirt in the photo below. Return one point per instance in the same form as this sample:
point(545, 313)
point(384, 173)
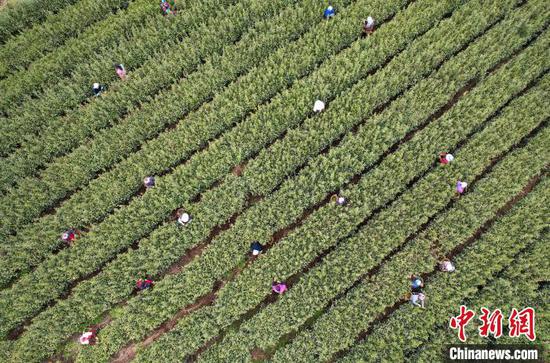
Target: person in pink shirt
point(461, 186)
point(120, 71)
point(278, 287)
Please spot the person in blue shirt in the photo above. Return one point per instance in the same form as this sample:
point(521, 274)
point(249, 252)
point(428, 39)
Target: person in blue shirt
point(329, 12)
point(416, 284)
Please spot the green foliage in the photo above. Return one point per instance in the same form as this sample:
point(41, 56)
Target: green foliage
point(21, 14)
point(290, 199)
point(383, 234)
point(136, 38)
point(446, 292)
point(516, 286)
point(365, 307)
point(260, 117)
point(18, 52)
point(171, 148)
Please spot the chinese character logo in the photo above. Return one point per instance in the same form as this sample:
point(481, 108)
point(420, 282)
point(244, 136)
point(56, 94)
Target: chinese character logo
point(522, 323)
point(459, 322)
point(492, 323)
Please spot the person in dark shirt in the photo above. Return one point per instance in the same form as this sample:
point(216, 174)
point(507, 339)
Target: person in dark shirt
point(416, 284)
point(256, 248)
point(97, 89)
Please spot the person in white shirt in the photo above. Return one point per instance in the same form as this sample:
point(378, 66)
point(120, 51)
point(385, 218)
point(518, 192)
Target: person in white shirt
point(97, 89)
point(446, 266)
point(417, 299)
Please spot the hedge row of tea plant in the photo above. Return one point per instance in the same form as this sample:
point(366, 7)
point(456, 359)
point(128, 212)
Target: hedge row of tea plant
point(417, 253)
point(291, 200)
point(18, 52)
point(367, 249)
point(17, 16)
point(510, 235)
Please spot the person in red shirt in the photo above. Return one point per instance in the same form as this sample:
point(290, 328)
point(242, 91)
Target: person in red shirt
point(144, 284)
point(445, 158)
point(69, 236)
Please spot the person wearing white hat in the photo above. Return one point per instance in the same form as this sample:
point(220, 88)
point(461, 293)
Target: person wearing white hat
point(318, 106)
point(338, 199)
point(184, 218)
point(88, 338)
point(368, 26)
point(446, 266)
point(417, 299)
point(149, 182)
point(329, 12)
point(97, 89)
point(445, 158)
point(461, 186)
point(256, 248)
point(70, 235)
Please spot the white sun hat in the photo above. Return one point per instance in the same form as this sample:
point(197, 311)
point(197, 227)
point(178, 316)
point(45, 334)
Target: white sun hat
point(96, 85)
point(449, 157)
point(318, 106)
point(184, 218)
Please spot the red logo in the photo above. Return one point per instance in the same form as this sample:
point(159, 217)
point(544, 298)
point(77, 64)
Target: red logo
point(522, 323)
point(492, 323)
point(459, 322)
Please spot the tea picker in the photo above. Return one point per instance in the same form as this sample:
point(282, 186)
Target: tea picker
point(318, 106)
point(120, 71)
point(144, 284)
point(149, 182)
point(329, 12)
point(70, 235)
point(183, 217)
point(256, 248)
point(97, 89)
point(461, 187)
point(445, 158)
point(88, 338)
point(368, 26)
point(446, 266)
point(278, 287)
point(416, 284)
point(417, 299)
point(339, 200)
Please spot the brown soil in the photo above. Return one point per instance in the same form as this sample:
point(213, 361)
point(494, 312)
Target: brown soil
point(128, 353)
point(238, 170)
point(258, 354)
